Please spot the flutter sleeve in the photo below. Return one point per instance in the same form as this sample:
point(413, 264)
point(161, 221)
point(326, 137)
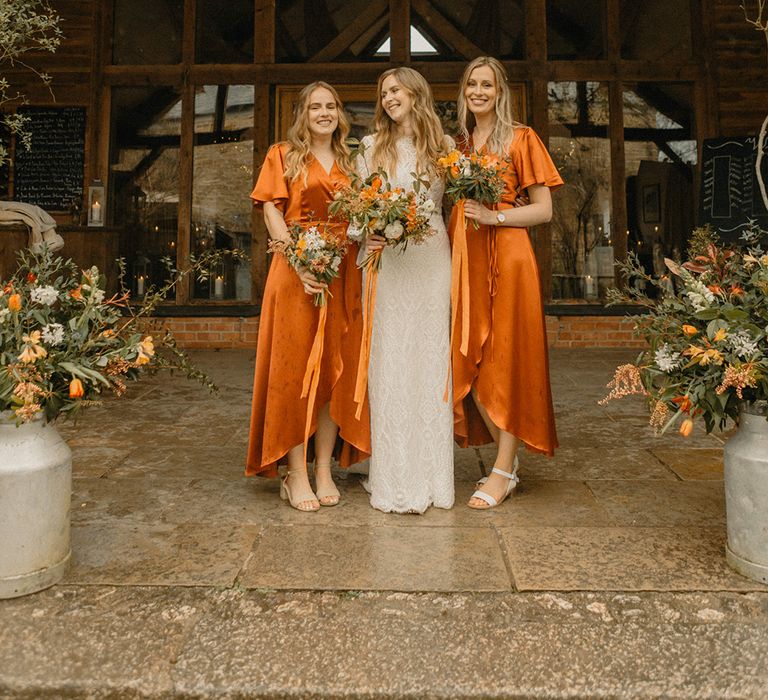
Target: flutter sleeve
point(532, 161)
point(271, 185)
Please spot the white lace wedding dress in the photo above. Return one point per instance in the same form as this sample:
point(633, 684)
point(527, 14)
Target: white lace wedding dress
point(411, 466)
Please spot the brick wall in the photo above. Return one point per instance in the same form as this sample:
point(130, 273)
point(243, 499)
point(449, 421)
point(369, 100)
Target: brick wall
point(562, 332)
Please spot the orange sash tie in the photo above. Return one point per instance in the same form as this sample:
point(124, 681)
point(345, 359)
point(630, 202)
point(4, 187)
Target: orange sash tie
point(493, 274)
point(312, 374)
point(361, 382)
point(459, 286)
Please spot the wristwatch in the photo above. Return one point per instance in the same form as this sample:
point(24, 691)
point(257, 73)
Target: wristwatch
point(500, 218)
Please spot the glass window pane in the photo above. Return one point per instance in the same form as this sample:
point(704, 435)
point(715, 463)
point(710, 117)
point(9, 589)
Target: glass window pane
point(223, 176)
point(144, 180)
point(582, 250)
point(660, 158)
point(655, 30)
point(147, 31)
point(224, 31)
point(575, 29)
point(331, 30)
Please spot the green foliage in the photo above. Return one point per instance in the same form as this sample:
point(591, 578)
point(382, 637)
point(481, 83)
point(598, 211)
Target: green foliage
point(63, 343)
point(707, 335)
point(25, 26)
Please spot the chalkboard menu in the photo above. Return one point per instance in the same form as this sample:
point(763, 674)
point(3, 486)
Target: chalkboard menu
point(51, 173)
point(730, 188)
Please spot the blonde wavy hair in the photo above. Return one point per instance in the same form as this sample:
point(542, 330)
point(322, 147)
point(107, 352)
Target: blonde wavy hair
point(300, 138)
point(428, 135)
point(504, 128)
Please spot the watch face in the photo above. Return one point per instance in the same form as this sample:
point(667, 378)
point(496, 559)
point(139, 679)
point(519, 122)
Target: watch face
point(500, 217)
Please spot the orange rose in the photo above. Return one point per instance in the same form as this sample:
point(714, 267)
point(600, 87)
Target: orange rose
point(686, 427)
point(14, 302)
point(76, 390)
point(376, 183)
point(690, 330)
point(31, 277)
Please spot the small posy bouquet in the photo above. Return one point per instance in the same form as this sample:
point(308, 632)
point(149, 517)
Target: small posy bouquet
point(376, 207)
point(707, 347)
point(474, 176)
point(316, 248)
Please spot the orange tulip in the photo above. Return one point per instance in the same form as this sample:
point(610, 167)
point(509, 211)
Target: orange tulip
point(690, 330)
point(76, 390)
point(683, 402)
point(686, 427)
point(14, 302)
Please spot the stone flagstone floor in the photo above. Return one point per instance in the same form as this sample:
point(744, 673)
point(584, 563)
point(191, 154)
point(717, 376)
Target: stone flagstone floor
point(604, 576)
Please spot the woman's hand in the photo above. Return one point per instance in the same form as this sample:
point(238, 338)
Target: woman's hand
point(477, 212)
point(374, 243)
point(521, 200)
point(310, 283)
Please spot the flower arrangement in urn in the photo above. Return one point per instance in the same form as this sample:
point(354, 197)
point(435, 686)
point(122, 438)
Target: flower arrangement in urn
point(707, 340)
point(63, 343)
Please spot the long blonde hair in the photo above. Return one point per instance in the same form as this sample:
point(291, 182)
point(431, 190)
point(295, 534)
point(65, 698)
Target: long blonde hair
point(300, 138)
point(428, 136)
point(503, 130)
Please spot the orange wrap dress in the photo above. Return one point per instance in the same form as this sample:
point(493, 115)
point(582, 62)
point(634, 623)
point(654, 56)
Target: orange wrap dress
point(507, 357)
point(287, 327)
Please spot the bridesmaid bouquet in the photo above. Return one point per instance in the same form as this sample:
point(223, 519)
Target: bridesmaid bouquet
point(474, 176)
point(376, 207)
point(314, 248)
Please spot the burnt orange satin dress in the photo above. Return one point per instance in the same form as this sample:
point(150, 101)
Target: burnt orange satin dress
point(287, 328)
point(507, 358)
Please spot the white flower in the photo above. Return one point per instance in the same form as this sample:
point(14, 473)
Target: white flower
point(667, 359)
point(4, 313)
point(98, 295)
point(742, 344)
point(44, 295)
point(355, 232)
point(379, 224)
point(428, 206)
point(53, 333)
point(394, 231)
point(314, 239)
point(336, 262)
point(701, 297)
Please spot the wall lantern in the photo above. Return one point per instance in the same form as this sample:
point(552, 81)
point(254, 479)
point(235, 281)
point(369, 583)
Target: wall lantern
point(97, 209)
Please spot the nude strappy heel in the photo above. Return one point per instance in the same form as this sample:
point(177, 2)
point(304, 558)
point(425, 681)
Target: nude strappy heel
point(330, 496)
point(285, 494)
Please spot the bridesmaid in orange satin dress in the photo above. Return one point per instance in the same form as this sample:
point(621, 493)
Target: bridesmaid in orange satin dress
point(296, 182)
point(501, 386)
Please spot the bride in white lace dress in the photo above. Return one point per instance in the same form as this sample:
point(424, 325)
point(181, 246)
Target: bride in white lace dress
point(411, 465)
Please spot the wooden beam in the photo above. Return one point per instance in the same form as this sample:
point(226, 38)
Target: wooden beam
point(444, 29)
point(352, 31)
point(264, 32)
point(613, 14)
point(618, 175)
point(262, 135)
point(536, 30)
point(399, 31)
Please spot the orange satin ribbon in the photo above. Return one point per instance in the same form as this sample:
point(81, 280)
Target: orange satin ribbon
point(493, 274)
point(312, 374)
point(459, 285)
point(361, 382)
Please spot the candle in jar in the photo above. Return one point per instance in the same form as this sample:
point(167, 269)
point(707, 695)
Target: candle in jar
point(218, 287)
point(140, 286)
point(96, 212)
point(590, 287)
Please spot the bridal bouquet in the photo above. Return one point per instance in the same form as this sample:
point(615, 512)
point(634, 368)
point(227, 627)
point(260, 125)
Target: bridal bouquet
point(707, 346)
point(401, 217)
point(474, 176)
point(315, 248)
point(376, 207)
